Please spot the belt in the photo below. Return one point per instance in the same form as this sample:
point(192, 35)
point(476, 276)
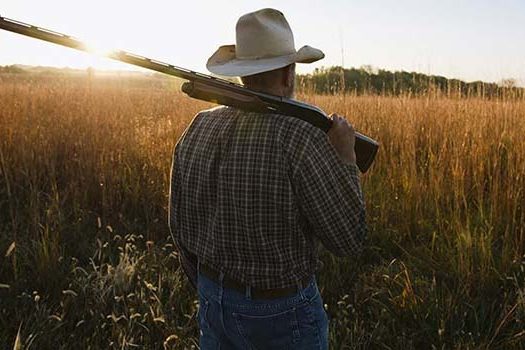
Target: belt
point(256, 293)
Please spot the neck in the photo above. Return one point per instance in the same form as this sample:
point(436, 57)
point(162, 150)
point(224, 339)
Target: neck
point(277, 90)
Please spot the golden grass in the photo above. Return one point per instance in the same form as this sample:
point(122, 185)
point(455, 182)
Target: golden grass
point(85, 163)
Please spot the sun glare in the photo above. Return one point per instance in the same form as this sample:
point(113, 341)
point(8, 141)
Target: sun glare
point(96, 56)
point(98, 49)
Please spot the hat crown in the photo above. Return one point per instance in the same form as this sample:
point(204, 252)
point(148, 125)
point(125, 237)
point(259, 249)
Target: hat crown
point(264, 43)
point(262, 34)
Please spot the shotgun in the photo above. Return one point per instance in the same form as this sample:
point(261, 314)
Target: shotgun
point(209, 88)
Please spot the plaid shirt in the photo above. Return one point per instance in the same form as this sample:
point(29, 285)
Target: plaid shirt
point(253, 194)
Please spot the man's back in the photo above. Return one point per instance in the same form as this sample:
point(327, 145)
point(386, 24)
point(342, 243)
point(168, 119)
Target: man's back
point(252, 194)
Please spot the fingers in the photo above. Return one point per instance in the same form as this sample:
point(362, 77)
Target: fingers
point(342, 136)
point(341, 120)
point(336, 117)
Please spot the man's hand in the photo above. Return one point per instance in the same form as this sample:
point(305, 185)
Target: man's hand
point(342, 136)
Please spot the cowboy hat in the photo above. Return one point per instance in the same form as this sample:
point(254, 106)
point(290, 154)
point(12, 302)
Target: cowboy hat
point(264, 43)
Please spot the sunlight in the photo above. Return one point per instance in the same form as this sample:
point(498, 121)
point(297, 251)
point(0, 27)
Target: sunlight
point(97, 49)
point(98, 57)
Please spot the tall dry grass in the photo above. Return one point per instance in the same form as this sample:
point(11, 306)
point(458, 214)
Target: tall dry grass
point(84, 177)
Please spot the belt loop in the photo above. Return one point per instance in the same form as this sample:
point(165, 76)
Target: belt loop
point(221, 286)
point(300, 290)
point(221, 278)
point(249, 292)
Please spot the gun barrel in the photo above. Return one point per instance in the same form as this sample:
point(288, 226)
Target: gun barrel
point(74, 43)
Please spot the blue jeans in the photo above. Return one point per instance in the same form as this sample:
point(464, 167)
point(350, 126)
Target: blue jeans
point(229, 319)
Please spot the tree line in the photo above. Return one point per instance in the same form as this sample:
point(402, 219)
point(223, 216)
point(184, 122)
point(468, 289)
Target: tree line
point(364, 80)
point(367, 80)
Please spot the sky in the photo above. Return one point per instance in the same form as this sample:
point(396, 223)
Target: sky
point(465, 39)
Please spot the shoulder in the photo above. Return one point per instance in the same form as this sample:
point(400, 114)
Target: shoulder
point(280, 121)
point(206, 118)
point(298, 138)
point(290, 130)
point(216, 112)
point(296, 132)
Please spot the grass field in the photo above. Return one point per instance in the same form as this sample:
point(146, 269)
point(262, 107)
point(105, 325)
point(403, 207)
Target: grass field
point(85, 256)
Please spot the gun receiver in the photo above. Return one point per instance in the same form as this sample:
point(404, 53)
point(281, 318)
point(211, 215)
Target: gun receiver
point(208, 88)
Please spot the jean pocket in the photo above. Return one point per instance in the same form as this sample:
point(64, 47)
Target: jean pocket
point(268, 331)
point(313, 324)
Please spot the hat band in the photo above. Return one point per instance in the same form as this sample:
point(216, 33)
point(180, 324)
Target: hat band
point(251, 58)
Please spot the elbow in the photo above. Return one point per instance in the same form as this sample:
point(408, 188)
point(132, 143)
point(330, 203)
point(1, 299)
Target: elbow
point(354, 250)
point(355, 244)
point(360, 236)
point(359, 249)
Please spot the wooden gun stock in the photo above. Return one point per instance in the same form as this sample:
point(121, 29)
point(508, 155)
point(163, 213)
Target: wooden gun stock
point(365, 147)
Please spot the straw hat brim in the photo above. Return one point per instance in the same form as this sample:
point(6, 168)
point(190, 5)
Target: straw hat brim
point(224, 61)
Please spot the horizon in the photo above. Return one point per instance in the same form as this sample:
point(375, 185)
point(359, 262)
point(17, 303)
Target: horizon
point(135, 70)
point(450, 39)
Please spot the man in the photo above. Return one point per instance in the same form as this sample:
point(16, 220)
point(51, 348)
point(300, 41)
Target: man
point(252, 195)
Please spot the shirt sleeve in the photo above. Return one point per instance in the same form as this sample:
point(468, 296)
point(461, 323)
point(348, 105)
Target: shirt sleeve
point(329, 194)
point(186, 259)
